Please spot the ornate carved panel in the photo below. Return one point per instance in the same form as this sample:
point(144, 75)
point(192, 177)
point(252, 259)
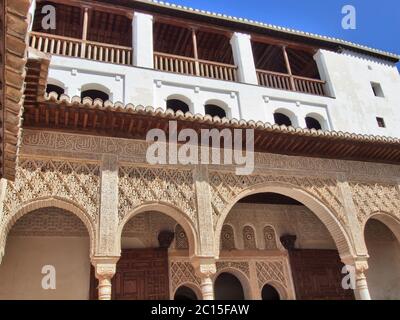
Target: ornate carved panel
point(138, 185)
point(270, 238)
point(181, 240)
point(182, 272)
point(35, 179)
point(227, 238)
point(227, 186)
point(242, 266)
point(375, 197)
point(249, 238)
point(268, 271)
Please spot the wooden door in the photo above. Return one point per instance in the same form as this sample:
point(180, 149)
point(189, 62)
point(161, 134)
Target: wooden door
point(141, 275)
point(317, 275)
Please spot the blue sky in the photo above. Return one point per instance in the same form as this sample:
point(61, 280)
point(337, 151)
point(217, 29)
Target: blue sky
point(378, 21)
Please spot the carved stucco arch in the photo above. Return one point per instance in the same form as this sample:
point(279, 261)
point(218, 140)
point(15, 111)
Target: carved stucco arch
point(325, 215)
point(241, 276)
point(194, 287)
point(283, 294)
point(50, 202)
point(390, 221)
point(169, 210)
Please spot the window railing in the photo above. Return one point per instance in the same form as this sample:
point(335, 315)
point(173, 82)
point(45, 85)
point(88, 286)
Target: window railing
point(78, 48)
point(191, 66)
point(282, 81)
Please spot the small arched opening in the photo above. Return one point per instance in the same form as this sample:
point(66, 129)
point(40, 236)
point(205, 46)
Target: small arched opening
point(55, 88)
point(214, 111)
point(313, 123)
point(228, 287)
point(177, 105)
point(184, 293)
point(282, 119)
point(269, 292)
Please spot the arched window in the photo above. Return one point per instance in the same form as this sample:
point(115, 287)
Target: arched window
point(177, 105)
point(249, 238)
point(313, 123)
point(181, 240)
point(227, 238)
point(270, 293)
point(281, 119)
point(214, 110)
point(185, 294)
point(95, 94)
point(228, 287)
point(54, 88)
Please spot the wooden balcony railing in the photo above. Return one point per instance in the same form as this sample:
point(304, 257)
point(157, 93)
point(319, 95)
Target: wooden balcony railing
point(191, 66)
point(277, 80)
point(77, 48)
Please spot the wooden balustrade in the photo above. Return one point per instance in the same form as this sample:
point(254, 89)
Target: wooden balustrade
point(191, 66)
point(307, 85)
point(277, 80)
point(55, 44)
point(71, 47)
point(108, 53)
point(172, 63)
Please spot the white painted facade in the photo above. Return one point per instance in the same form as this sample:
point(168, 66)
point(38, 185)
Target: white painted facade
point(352, 106)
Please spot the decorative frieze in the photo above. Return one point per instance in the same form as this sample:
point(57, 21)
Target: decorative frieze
point(274, 271)
point(371, 198)
point(38, 179)
point(140, 185)
point(227, 186)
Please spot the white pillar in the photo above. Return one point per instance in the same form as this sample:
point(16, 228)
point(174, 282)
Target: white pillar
point(31, 15)
point(361, 291)
point(243, 56)
point(142, 41)
point(205, 271)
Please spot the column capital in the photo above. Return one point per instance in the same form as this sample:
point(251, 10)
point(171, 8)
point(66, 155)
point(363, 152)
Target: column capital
point(105, 267)
point(205, 267)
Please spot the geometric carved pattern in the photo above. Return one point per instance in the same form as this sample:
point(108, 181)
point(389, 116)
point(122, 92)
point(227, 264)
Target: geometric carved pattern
point(181, 240)
point(375, 197)
point(242, 266)
point(48, 222)
point(183, 273)
point(226, 186)
point(138, 185)
point(227, 238)
point(270, 271)
point(249, 239)
point(270, 238)
point(74, 181)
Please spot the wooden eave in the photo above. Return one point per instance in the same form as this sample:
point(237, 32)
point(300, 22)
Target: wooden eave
point(14, 26)
point(70, 114)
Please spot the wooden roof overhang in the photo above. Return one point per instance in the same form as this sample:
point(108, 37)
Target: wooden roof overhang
point(133, 122)
point(13, 52)
point(180, 15)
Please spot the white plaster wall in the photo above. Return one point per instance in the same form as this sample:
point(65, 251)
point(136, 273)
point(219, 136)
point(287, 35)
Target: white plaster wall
point(20, 271)
point(353, 109)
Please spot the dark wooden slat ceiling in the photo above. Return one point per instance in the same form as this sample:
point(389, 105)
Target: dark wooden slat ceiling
point(69, 20)
point(104, 27)
point(177, 40)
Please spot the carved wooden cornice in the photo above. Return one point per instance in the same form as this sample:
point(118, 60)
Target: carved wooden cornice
point(13, 52)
